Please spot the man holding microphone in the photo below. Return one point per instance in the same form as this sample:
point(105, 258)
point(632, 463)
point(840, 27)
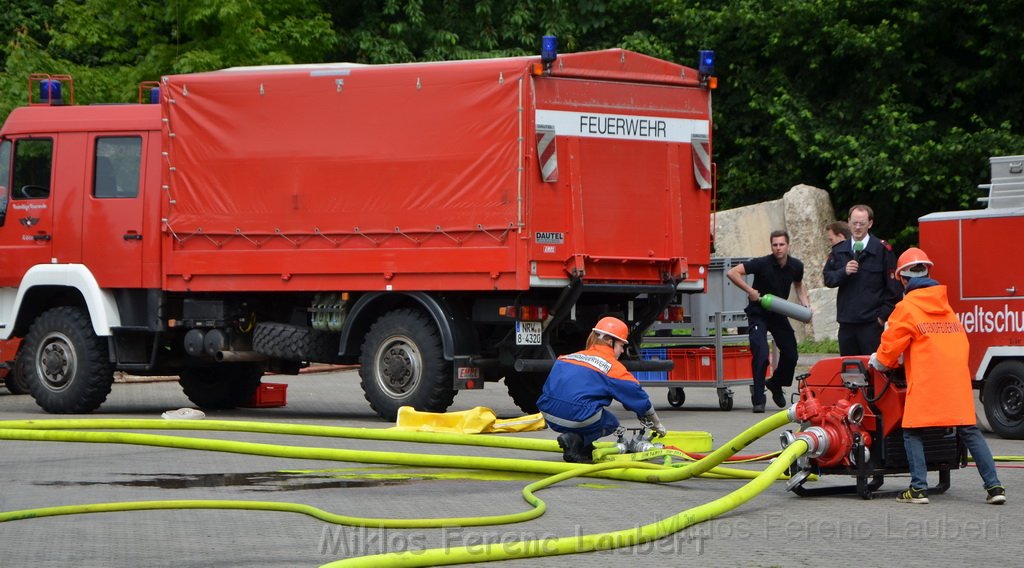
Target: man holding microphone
point(864, 271)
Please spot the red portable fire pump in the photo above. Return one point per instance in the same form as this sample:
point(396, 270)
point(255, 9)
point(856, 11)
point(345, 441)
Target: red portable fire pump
point(850, 417)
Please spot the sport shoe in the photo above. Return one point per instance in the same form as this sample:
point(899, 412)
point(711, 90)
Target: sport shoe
point(778, 396)
point(573, 450)
point(758, 409)
point(996, 495)
point(916, 496)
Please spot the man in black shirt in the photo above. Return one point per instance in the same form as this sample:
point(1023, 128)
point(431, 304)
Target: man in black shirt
point(773, 274)
point(863, 268)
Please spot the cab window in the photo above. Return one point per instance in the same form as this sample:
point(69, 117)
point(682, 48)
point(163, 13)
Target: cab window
point(33, 166)
point(116, 168)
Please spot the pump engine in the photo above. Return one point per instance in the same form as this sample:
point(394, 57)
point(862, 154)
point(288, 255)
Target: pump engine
point(850, 417)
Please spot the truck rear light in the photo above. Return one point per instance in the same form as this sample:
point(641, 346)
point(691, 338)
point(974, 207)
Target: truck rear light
point(533, 313)
point(524, 313)
point(672, 314)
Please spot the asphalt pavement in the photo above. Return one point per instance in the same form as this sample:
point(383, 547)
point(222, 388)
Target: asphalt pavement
point(777, 528)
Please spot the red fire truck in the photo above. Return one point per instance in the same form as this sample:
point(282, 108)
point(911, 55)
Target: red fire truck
point(441, 224)
point(986, 288)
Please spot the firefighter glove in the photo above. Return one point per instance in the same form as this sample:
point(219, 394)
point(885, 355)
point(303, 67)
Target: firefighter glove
point(653, 423)
point(876, 364)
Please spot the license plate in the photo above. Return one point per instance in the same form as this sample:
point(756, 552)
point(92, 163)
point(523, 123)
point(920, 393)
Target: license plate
point(528, 332)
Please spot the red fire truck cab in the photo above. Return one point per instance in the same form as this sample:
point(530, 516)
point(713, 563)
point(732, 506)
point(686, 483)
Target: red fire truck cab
point(971, 251)
point(441, 224)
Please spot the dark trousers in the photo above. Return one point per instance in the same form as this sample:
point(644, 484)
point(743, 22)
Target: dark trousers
point(603, 427)
point(760, 324)
point(859, 338)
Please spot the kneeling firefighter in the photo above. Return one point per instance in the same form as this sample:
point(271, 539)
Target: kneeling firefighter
point(582, 384)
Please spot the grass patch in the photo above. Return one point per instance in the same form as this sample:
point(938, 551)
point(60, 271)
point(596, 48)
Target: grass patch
point(823, 346)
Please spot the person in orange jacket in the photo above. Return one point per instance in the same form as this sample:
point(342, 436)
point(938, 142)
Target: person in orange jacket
point(582, 384)
point(925, 330)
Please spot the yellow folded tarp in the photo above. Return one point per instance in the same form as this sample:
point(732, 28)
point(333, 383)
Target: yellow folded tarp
point(477, 420)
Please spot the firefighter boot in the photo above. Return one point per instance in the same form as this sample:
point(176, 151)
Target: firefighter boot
point(778, 395)
point(573, 450)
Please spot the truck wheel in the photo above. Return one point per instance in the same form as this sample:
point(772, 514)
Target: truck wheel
point(676, 397)
point(15, 379)
point(1004, 400)
point(725, 401)
point(222, 386)
point(402, 364)
point(295, 342)
point(525, 389)
point(66, 365)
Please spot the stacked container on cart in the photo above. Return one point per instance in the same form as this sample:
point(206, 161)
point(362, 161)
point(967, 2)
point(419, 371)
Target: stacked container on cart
point(714, 354)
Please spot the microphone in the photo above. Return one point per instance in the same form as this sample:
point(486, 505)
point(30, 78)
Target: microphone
point(858, 247)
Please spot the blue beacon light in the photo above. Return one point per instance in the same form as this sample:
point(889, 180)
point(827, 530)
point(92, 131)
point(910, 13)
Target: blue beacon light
point(548, 49)
point(50, 92)
point(707, 62)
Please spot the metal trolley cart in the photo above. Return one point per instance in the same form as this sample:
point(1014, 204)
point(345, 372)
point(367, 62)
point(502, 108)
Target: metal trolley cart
point(710, 356)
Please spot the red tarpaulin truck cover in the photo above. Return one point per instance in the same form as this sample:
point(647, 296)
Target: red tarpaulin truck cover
point(426, 176)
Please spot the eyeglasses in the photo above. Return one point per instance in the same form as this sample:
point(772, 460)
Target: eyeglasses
point(858, 224)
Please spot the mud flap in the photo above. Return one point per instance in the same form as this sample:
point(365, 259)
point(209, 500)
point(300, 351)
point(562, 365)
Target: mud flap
point(466, 376)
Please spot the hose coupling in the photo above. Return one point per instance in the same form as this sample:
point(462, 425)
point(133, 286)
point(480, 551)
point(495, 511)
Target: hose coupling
point(817, 440)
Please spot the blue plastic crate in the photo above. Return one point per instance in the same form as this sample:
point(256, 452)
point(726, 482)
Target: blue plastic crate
point(650, 354)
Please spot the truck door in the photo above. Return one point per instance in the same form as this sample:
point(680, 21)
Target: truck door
point(625, 176)
point(113, 210)
point(26, 207)
point(981, 238)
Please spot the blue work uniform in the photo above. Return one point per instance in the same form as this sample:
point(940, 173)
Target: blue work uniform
point(579, 388)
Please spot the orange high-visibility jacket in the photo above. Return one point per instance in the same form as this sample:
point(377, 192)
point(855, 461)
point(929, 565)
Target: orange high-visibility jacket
point(924, 328)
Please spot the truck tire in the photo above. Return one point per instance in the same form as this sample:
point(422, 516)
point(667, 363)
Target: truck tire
point(15, 379)
point(1003, 399)
point(221, 387)
point(525, 389)
point(67, 366)
point(295, 342)
point(402, 364)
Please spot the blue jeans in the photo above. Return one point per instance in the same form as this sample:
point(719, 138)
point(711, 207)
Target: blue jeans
point(975, 443)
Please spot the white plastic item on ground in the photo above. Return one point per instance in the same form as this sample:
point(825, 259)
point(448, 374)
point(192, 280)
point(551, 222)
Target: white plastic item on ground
point(184, 414)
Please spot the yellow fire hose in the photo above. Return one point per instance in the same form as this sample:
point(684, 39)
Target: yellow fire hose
point(589, 542)
point(65, 431)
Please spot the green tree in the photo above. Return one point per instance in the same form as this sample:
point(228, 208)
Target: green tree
point(892, 104)
point(895, 104)
point(109, 46)
point(393, 31)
